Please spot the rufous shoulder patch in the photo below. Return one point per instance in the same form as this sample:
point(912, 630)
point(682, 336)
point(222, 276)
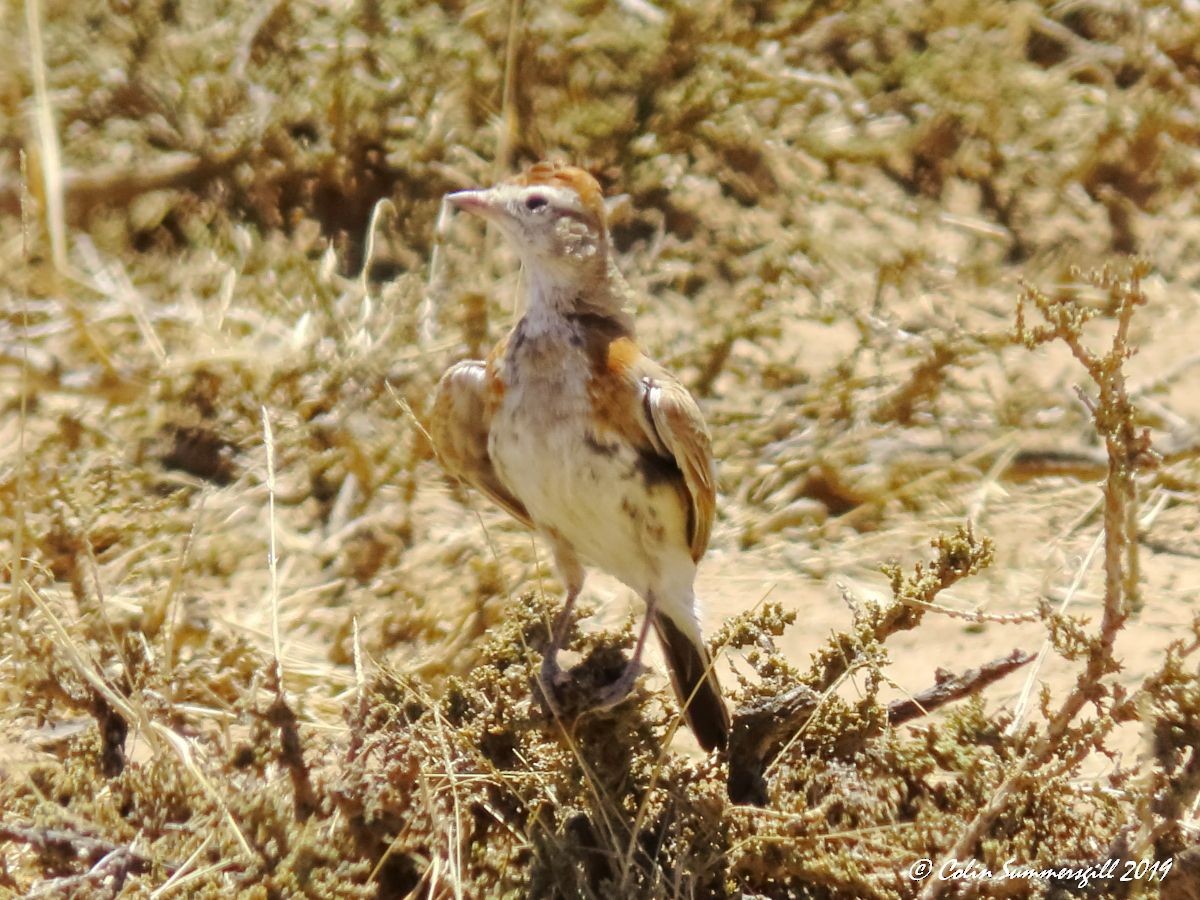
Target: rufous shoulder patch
point(622, 353)
point(571, 177)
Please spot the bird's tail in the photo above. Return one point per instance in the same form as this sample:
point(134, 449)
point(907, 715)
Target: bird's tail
point(694, 681)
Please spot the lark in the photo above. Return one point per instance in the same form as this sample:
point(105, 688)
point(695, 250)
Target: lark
point(575, 432)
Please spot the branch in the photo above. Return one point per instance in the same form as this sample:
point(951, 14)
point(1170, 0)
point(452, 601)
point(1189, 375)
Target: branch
point(75, 845)
point(949, 687)
point(762, 729)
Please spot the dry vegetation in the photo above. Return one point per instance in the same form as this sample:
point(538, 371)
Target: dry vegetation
point(253, 642)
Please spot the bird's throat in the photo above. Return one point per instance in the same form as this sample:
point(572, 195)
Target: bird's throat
point(554, 295)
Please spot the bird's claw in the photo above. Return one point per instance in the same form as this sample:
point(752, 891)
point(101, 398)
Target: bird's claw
point(551, 679)
point(616, 691)
point(567, 695)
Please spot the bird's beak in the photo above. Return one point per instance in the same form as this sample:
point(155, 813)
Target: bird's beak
point(481, 203)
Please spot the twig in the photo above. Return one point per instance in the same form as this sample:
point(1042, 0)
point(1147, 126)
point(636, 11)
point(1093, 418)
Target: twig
point(291, 754)
point(377, 212)
point(1113, 417)
point(958, 556)
point(765, 728)
point(184, 872)
point(272, 557)
point(1027, 691)
point(117, 185)
point(644, 10)
point(50, 160)
point(950, 687)
point(280, 714)
point(74, 844)
point(973, 616)
point(16, 575)
point(510, 116)
point(759, 731)
point(435, 287)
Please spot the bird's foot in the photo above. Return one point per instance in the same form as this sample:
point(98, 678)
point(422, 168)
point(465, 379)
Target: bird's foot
point(588, 686)
point(611, 694)
point(552, 681)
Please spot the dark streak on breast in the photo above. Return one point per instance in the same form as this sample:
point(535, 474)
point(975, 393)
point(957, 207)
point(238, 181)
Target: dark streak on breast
point(629, 509)
point(599, 447)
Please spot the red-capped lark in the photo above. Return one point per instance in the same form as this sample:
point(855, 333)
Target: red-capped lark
point(571, 429)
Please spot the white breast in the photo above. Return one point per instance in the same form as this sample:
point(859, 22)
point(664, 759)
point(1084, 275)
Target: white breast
point(592, 493)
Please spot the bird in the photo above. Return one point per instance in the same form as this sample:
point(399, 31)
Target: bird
point(572, 430)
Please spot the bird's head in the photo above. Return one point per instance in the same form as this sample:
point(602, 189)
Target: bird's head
point(553, 215)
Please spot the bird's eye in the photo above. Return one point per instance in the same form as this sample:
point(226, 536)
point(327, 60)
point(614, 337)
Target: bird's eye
point(537, 201)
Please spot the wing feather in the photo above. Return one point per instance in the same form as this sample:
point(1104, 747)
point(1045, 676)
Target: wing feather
point(675, 426)
point(462, 418)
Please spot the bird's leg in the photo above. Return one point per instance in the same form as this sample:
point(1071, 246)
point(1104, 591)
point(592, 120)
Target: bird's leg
point(562, 626)
point(614, 693)
point(573, 574)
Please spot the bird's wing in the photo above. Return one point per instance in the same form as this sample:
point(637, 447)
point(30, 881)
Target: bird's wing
point(462, 418)
point(672, 428)
point(679, 427)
